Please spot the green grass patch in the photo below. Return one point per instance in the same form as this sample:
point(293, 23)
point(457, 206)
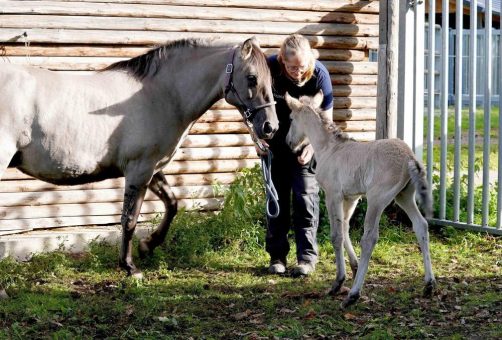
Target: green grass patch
point(209, 280)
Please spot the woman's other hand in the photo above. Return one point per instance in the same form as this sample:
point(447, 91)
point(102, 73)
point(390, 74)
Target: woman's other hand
point(306, 155)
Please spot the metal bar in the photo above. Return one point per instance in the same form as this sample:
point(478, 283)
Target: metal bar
point(418, 93)
point(466, 226)
point(405, 74)
point(458, 110)
point(444, 110)
point(431, 92)
point(499, 177)
point(472, 110)
point(487, 109)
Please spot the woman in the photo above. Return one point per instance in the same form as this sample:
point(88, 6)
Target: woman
point(296, 71)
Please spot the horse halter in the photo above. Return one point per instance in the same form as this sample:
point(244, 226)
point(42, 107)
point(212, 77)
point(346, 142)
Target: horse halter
point(249, 112)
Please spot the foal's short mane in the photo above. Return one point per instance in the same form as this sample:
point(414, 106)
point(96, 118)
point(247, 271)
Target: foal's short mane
point(337, 132)
point(148, 64)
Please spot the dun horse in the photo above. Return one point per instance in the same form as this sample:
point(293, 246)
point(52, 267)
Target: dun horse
point(128, 120)
point(383, 170)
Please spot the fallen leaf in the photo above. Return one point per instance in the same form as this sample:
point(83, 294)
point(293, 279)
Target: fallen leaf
point(310, 315)
point(349, 316)
point(242, 315)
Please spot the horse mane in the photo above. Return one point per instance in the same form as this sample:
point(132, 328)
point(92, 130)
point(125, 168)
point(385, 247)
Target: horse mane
point(336, 131)
point(141, 66)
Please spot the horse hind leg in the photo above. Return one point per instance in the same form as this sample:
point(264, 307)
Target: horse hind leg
point(349, 205)
point(161, 189)
point(406, 200)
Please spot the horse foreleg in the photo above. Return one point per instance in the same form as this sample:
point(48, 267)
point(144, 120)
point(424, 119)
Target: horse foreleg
point(406, 200)
point(133, 199)
point(376, 206)
point(162, 190)
point(335, 212)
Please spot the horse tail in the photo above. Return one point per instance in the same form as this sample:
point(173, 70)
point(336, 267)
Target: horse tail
point(419, 180)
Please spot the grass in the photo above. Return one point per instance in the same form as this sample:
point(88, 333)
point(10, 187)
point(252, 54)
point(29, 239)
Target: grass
point(479, 128)
point(209, 281)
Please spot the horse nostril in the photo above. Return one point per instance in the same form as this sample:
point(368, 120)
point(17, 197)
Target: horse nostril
point(267, 128)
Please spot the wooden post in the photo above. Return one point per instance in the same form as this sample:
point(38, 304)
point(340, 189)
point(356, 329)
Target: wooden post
point(386, 126)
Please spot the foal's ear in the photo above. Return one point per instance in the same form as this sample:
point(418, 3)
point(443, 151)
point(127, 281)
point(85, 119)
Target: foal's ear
point(318, 98)
point(247, 47)
point(293, 103)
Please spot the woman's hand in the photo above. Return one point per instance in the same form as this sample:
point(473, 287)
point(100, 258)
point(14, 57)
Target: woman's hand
point(306, 155)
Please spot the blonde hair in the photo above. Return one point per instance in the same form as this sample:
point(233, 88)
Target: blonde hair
point(293, 45)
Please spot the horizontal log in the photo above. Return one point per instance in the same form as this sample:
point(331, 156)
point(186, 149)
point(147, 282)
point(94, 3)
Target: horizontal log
point(354, 114)
point(237, 152)
point(219, 127)
point(184, 12)
point(98, 209)
point(220, 116)
point(69, 36)
point(369, 6)
point(356, 126)
point(354, 103)
point(129, 52)
point(39, 198)
point(354, 79)
point(354, 90)
point(199, 141)
point(175, 167)
point(342, 67)
point(33, 185)
point(182, 25)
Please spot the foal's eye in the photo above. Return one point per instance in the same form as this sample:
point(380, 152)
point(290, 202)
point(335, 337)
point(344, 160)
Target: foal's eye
point(252, 81)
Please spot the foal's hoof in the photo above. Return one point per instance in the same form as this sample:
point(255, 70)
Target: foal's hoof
point(349, 300)
point(3, 294)
point(143, 248)
point(337, 288)
point(429, 288)
point(138, 275)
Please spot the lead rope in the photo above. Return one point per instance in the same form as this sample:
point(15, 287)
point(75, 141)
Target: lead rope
point(271, 193)
point(271, 196)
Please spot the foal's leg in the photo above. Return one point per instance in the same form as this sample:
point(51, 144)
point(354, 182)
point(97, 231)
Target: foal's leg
point(376, 205)
point(135, 190)
point(335, 212)
point(160, 188)
point(406, 200)
point(349, 205)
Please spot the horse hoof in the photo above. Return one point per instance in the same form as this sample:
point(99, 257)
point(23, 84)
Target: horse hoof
point(336, 288)
point(138, 275)
point(3, 294)
point(349, 300)
point(143, 249)
point(429, 288)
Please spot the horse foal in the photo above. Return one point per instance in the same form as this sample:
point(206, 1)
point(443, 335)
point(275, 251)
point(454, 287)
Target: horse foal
point(383, 170)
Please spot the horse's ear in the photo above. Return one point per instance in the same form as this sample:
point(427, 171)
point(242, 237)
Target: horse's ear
point(318, 98)
point(247, 47)
point(293, 103)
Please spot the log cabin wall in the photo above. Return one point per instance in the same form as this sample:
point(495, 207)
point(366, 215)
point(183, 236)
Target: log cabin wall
point(84, 36)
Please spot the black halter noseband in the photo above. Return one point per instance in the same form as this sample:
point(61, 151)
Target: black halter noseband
point(249, 112)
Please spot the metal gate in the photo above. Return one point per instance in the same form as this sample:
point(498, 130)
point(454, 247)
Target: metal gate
point(458, 139)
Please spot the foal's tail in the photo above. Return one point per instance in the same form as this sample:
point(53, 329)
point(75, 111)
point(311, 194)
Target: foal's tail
point(419, 180)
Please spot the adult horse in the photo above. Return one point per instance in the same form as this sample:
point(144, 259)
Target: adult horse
point(128, 120)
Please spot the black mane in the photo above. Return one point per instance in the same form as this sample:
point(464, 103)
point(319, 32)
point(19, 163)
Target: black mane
point(140, 66)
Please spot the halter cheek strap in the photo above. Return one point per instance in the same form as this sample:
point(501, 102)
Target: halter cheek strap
point(249, 112)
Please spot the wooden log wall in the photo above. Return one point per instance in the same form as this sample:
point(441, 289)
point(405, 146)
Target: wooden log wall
point(83, 36)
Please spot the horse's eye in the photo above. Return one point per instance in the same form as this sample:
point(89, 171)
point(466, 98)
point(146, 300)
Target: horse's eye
point(252, 81)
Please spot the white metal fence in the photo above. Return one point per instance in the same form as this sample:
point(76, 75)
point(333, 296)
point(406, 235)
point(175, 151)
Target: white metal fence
point(466, 60)
point(464, 161)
